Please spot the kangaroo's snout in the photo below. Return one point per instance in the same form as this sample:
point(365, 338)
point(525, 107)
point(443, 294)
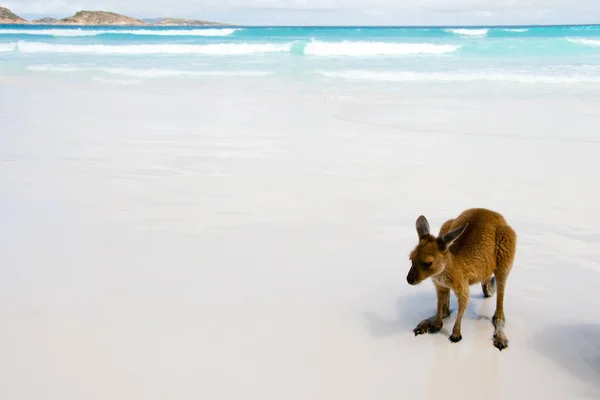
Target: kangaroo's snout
point(411, 278)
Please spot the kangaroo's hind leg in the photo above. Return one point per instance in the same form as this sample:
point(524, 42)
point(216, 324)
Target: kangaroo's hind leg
point(488, 287)
point(506, 242)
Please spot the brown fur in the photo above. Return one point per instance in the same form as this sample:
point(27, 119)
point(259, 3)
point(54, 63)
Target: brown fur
point(476, 247)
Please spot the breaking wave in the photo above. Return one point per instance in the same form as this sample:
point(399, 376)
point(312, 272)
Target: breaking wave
point(314, 48)
point(348, 48)
point(587, 42)
point(468, 32)
point(136, 49)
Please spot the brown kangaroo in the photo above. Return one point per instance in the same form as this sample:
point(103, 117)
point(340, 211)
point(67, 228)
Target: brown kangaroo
point(469, 249)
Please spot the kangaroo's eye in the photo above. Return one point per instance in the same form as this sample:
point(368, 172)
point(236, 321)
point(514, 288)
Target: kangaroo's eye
point(426, 265)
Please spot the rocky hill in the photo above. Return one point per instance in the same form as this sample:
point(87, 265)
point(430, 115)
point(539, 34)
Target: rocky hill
point(100, 18)
point(46, 21)
point(8, 17)
point(95, 18)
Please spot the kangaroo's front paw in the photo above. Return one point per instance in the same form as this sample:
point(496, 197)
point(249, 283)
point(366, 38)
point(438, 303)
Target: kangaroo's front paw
point(422, 328)
point(455, 338)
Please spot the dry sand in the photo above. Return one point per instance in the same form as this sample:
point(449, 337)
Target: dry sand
point(238, 242)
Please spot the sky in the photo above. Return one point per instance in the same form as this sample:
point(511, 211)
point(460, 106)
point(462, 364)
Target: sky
point(332, 12)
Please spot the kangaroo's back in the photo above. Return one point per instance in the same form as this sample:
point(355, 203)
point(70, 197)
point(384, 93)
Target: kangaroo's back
point(479, 241)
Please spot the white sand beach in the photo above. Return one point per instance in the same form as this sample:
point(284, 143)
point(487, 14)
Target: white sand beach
point(230, 239)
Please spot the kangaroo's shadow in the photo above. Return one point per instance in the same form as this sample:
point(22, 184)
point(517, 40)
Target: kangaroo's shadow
point(412, 309)
point(576, 348)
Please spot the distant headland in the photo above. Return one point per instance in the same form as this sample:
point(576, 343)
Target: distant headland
point(102, 18)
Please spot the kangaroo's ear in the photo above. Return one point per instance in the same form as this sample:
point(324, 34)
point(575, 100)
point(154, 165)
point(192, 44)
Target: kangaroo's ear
point(450, 238)
point(422, 227)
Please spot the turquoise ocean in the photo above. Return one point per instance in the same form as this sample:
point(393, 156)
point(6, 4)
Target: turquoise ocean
point(523, 54)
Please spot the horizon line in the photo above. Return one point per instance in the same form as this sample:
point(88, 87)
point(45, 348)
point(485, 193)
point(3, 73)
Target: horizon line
point(230, 25)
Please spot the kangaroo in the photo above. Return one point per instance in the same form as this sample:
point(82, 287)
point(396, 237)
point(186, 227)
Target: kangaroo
point(469, 249)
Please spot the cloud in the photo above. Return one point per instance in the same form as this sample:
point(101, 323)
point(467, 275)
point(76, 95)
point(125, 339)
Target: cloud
point(44, 7)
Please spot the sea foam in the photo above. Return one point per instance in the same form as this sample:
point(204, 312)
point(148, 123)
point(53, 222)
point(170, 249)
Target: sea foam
point(207, 49)
point(587, 42)
point(364, 48)
point(7, 47)
point(468, 32)
point(314, 48)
